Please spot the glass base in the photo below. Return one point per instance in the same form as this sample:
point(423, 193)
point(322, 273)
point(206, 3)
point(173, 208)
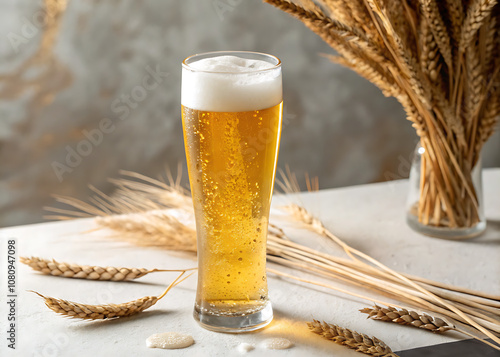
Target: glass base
point(235, 324)
point(443, 232)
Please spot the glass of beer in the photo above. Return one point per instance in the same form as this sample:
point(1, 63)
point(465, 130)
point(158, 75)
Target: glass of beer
point(231, 116)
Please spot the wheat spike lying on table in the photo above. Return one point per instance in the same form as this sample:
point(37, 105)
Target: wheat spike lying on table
point(55, 268)
point(360, 342)
point(67, 270)
point(108, 311)
point(98, 312)
point(412, 318)
point(407, 317)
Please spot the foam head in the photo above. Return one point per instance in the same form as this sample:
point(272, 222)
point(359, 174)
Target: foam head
point(231, 84)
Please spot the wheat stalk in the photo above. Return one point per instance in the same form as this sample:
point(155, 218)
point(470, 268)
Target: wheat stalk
point(67, 270)
point(440, 74)
point(108, 311)
point(407, 317)
point(360, 342)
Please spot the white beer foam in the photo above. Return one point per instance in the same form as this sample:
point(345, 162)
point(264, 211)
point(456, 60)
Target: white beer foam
point(231, 84)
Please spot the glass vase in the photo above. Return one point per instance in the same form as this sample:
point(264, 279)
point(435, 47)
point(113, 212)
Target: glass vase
point(444, 207)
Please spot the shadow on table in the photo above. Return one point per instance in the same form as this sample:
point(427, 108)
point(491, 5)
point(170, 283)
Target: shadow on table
point(466, 348)
point(104, 324)
point(490, 236)
point(494, 224)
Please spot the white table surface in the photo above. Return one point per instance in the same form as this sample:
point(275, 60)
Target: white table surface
point(370, 218)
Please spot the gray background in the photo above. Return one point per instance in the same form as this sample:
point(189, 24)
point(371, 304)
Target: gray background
point(337, 126)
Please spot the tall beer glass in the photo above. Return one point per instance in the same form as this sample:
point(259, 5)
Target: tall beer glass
point(231, 115)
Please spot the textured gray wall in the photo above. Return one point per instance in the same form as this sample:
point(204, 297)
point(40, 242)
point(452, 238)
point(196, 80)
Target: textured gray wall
point(84, 73)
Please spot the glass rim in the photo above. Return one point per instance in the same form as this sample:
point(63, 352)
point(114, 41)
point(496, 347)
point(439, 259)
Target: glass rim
point(186, 65)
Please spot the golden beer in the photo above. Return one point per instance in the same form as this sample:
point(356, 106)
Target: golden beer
point(231, 158)
point(232, 161)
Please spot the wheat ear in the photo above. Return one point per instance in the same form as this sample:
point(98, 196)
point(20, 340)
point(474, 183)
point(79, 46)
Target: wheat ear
point(360, 342)
point(108, 311)
point(407, 317)
point(349, 42)
point(439, 30)
point(455, 17)
point(67, 270)
point(413, 318)
point(478, 11)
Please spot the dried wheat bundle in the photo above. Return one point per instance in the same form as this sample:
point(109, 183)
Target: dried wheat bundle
point(108, 311)
point(360, 342)
point(66, 270)
point(440, 59)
